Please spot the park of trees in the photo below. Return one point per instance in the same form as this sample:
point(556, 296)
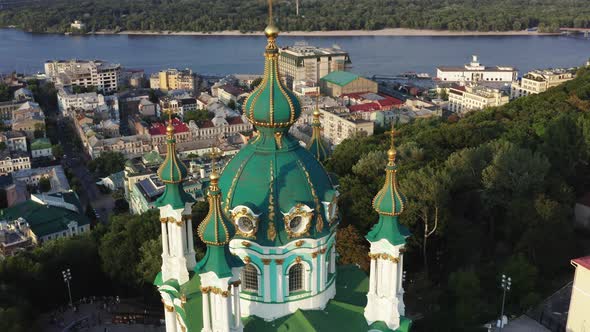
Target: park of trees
point(499, 184)
point(314, 15)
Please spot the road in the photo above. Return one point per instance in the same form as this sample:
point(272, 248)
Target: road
point(76, 162)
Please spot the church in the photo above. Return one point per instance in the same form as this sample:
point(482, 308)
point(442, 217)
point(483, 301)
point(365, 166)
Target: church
point(270, 233)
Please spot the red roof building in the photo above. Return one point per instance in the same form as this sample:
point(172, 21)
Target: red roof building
point(371, 102)
point(160, 128)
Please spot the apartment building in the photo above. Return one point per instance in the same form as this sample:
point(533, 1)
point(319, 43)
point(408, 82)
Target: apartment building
point(339, 125)
point(174, 79)
point(7, 107)
point(14, 140)
point(28, 118)
point(303, 62)
point(475, 72)
point(69, 102)
point(538, 81)
point(13, 161)
point(339, 83)
point(463, 99)
point(100, 74)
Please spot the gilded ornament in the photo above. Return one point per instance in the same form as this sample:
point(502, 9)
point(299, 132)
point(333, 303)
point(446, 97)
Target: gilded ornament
point(279, 261)
point(323, 250)
point(298, 259)
point(246, 244)
point(299, 210)
point(314, 254)
point(246, 260)
point(299, 243)
point(266, 261)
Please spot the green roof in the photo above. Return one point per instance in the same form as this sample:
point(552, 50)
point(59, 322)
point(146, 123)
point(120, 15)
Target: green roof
point(152, 158)
point(218, 260)
point(172, 169)
point(44, 219)
point(175, 196)
point(316, 145)
point(41, 143)
point(216, 229)
point(340, 78)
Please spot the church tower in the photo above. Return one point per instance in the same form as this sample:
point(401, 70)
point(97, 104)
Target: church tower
point(316, 145)
point(178, 254)
point(282, 203)
point(385, 304)
point(219, 270)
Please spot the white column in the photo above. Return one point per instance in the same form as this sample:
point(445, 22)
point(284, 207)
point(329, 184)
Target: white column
point(190, 242)
point(170, 320)
point(333, 259)
point(393, 273)
point(237, 311)
point(400, 272)
point(323, 271)
point(380, 276)
point(171, 238)
point(226, 313)
point(314, 275)
point(179, 241)
point(165, 249)
point(266, 281)
point(280, 277)
point(206, 312)
point(183, 238)
point(373, 276)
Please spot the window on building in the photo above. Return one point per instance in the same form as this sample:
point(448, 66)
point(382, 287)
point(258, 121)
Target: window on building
point(250, 278)
point(296, 278)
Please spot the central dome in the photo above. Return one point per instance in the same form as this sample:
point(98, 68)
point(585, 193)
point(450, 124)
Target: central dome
point(281, 186)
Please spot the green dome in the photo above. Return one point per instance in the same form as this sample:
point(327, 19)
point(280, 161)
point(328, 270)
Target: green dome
point(273, 175)
point(389, 200)
point(172, 169)
point(216, 229)
point(271, 104)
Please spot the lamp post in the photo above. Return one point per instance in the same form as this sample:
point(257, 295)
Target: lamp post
point(67, 275)
point(505, 284)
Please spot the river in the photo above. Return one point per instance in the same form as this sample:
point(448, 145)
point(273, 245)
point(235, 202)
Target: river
point(217, 55)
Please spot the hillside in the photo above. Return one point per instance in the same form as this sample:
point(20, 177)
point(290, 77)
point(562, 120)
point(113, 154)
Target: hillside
point(315, 15)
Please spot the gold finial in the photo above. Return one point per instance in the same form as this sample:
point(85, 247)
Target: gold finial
point(391, 153)
point(316, 112)
point(168, 110)
point(271, 30)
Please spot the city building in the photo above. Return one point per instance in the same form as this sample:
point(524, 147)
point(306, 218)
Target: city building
point(6, 109)
point(339, 83)
point(463, 99)
point(69, 103)
point(230, 93)
point(41, 148)
point(303, 62)
point(29, 117)
point(86, 73)
point(130, 146)
point(270, 233)
point(157, 132)
point(538, 81)
point(306, 88)
point(579, 310)
point(47, 222)
point(23, 94)
point(148, 109)
point(31, 177)
point(8, 191)
point(174, 79)
point(15, 236)
point(475, 72)
point(14, 140)
point(138, 169)
point(339, 125)
point(13, 161)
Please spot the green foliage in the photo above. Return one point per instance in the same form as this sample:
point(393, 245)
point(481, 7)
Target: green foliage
point(256, 82)
point(121, 259)
point(57, 151)
point(199, 116)
point(2, 146)
point(44, 185)
point(5, 94)
point(242, 15)
point(82, 89)
point(352, 247)
point(502, 182)
point(107, 163)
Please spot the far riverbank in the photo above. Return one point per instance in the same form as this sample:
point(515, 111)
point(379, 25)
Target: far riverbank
point(341, 33)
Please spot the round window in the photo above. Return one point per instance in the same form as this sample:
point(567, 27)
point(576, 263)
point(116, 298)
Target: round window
point(295, 224)
point(245, 225)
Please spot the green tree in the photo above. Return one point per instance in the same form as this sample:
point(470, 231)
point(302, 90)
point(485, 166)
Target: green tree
point(256, 82)
point(5, 94)
point(57, 150)
point(231, 104)
point(44, 185)
point(352, 247)
point(107, 163)
point(465, 289)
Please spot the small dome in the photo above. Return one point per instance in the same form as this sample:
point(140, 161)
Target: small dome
point(389, 200)
point(172, 169)
point(271, 31)
point(216, 229)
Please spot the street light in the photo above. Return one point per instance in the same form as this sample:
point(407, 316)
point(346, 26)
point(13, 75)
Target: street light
point(67, 275)
point(505, 284)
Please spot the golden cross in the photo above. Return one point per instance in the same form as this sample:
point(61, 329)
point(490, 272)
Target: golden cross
point(269, 12)
point(214, 155)
point(392, 134)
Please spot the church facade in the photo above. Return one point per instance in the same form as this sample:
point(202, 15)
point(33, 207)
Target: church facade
point(271, 234)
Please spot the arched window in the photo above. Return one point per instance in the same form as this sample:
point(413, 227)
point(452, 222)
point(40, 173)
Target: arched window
point(250, 278)
point(296, 278)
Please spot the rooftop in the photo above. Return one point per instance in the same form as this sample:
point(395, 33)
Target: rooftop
point(340, 78)
point(160, 128)
point(582, 261)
